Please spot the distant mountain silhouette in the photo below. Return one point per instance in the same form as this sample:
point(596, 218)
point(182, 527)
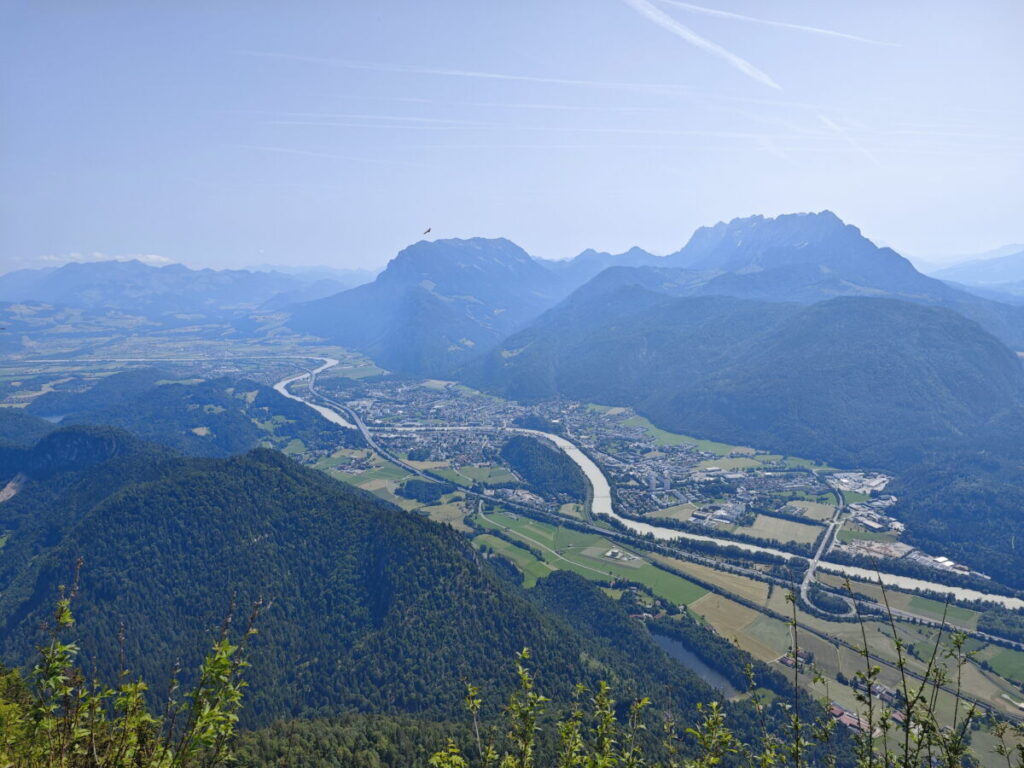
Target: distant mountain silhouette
point(436, 304)
point(134, 288)
point(805, 257)
point(576, 271)
point(993, 272)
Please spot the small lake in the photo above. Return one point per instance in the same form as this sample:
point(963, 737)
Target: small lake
point(691, 661)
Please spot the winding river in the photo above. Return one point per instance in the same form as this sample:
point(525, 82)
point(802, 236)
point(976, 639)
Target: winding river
point(602, 505)
point(332, 416)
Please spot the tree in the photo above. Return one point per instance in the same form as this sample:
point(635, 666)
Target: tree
point(61, 718)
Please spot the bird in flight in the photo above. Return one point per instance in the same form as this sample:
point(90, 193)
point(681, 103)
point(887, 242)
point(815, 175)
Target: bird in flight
point(427, 232)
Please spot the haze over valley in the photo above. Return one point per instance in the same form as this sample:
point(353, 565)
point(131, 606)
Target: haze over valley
point(512, 387)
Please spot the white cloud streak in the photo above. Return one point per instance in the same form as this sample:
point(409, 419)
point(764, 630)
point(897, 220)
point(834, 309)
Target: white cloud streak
point(680, 30)
point(769, 23)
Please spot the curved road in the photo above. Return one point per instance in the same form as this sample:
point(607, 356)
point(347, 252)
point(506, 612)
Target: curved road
point(602, 499)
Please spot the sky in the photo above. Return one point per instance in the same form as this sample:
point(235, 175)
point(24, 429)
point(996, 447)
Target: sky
point(228, 133)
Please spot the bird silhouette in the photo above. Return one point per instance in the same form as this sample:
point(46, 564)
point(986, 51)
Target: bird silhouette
point(427, 232)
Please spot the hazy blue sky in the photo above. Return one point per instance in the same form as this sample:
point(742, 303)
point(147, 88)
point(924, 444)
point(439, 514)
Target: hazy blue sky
point(227, 132)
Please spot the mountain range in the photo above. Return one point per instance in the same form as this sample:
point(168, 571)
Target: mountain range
point(439, 304)
point(135, 288)
point(995, 276)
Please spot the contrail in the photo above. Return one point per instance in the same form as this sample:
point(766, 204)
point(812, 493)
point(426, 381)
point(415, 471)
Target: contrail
point(840, 131)
point(769, 23)
point(665, 21)
point(331, 155)
point(418, 70)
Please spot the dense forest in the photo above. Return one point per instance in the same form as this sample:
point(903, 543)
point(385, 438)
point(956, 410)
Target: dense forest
point(370, 609)
point(547, 470)
point(18, 427)
point(904, 378)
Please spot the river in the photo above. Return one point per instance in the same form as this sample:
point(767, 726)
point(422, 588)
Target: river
point(332, 416)
point(602, 505)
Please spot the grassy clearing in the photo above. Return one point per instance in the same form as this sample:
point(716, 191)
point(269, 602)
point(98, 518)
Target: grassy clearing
point(610, 410)
point(294, 446)
point(663, 438)
point(852, 497)
point(452, 514)
point(532, 568)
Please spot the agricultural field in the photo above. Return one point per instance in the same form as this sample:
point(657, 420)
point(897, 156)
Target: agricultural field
point(924, 606)
point(573, 510)
point(681, 512)
point(741, 586)
point(354, 368)
point(585, 554)
point(433, 466)
point(763, 637)
point(977, 683)
point(466, 476)
point(1006, 662)
point(794, 462)
point(812, 510)
point(780, 530)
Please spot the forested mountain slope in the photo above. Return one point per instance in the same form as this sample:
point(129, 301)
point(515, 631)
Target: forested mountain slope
point(849, 380)
point(371, 608)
